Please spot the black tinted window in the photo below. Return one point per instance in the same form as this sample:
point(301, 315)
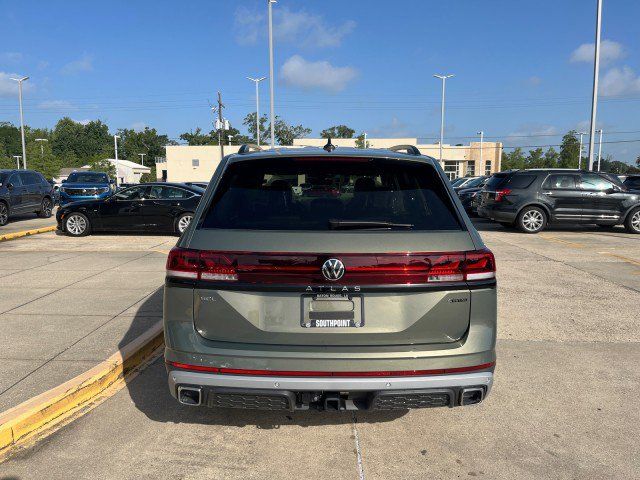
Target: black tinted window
point(496, 181)
point(132, 193)
point(167, 193)
point(633, 182)
point(559, 182)
point(308, 193)
point(591, 181)
point(521, 181)
point(29, 178)
point(15, 180)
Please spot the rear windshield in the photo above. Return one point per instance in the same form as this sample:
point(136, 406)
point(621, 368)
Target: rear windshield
point(495, 181)
point(521, 181)
point(78, 177)
point(330, 193)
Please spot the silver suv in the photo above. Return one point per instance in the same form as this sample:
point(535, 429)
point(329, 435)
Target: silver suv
point(367, 289)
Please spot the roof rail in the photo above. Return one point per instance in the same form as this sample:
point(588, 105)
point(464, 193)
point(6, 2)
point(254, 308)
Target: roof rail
point(410, 149)
point(248, 148)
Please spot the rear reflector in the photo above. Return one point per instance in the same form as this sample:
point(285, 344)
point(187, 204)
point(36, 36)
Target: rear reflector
point(500, 194)
point(298, 373)
point(306, 268)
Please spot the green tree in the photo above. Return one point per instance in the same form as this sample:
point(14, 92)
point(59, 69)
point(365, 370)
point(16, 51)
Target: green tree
point(569, 150)
point(535, 159)
point(285, 133)
point(76, 143)
point(513, 160)
point(551, 158)
point(338, 131)
point(99, 164)
point(236, 137)
point(250, 122)
point(196, 137)
point(42, 159)
point(10, 139)
point(638, 161)
point(360, 143)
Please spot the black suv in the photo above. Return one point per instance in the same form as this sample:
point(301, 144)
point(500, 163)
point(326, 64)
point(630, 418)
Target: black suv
point(529, 199)
point(24, 191)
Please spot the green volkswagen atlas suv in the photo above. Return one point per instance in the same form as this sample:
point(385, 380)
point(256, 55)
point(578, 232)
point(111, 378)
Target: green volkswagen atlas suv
point(330, 279)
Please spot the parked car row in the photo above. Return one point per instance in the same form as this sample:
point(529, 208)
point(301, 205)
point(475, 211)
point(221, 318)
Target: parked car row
point(24, 191)
point(531, 199)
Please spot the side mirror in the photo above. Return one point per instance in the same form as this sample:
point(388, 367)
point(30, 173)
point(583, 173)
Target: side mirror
point(10, 186)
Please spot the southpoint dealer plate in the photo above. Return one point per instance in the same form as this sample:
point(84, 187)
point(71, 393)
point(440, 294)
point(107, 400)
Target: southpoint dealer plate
point(326, 310)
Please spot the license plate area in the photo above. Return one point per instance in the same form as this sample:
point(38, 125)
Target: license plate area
point(325, 310)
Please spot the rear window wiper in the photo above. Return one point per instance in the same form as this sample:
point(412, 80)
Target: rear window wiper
point(364, 224)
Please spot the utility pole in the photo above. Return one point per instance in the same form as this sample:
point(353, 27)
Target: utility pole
point(596, 73)
point(271, 79)
point(580, 151)
point(444, 81)
point(364, 144)
point(481, 166)
point(599, 149)
point(221, 125)
point(24, 146)
point(40, 140)
point(115, 145)
point(141, 155)
point(17, 157)
point(257, 81)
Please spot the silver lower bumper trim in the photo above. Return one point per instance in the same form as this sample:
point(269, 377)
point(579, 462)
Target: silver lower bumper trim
point(339, 384)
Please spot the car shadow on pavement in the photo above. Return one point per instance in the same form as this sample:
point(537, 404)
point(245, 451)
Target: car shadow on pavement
point(150, 394)
point(484, 225)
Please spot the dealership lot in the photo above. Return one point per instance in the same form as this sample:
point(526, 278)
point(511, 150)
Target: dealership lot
point(563, 404)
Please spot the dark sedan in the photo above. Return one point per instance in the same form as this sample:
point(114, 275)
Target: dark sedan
point(149, 207)
point(468, 198)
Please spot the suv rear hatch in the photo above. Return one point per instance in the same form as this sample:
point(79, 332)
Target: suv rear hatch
point(381, 259)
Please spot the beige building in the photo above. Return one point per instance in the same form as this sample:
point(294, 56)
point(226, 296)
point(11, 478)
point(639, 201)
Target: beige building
point(185, 163)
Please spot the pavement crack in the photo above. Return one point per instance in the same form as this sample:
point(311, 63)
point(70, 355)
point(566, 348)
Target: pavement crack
point(356, 439)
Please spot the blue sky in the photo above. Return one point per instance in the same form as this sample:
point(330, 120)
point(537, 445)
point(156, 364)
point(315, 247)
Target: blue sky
point(522, 68)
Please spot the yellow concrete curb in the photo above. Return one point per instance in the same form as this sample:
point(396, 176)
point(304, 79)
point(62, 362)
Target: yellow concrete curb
point(26, 233)
point(50, 408)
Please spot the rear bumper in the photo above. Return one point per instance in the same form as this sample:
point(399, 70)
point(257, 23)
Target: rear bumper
point(302, 393)
point(497, 215)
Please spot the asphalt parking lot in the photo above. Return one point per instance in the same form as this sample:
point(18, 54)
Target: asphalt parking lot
point(563, 403)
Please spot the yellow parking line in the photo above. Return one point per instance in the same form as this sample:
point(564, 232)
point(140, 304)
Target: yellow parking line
point(621, 257)
point(25, 233)
point(557, 240)
point(164, 252)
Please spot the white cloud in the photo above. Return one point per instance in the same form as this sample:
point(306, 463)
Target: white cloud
point(533, 81)
point(9, 88)
point(609, 52)
point(82, 64)
point(56, 105)
point(298, 72)
point(619, 81)
point(83, 122)
point(301, 28)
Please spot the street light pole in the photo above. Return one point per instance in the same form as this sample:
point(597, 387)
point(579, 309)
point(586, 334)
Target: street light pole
point(115, 144)
point(17, 157)
point(596, 73)
point(481, 133)
point(580, 151)
point(24, 146)
point(257, 81)
point(599, 149)
point(40, 140)
point(271, 79)
point(444, 81)
point(141, 155)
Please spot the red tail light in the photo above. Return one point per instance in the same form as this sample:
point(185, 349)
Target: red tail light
point(306, 268)
point(500, 194)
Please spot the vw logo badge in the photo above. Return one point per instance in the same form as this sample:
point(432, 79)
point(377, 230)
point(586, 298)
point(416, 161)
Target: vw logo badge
point(333, 269)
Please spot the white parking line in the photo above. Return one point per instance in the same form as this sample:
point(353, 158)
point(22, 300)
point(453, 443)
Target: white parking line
point(356, 439)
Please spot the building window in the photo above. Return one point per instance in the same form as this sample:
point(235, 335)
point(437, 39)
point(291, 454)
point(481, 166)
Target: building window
point(471, 167)
point(195, 162)
point(452, 169)
point(487, 167)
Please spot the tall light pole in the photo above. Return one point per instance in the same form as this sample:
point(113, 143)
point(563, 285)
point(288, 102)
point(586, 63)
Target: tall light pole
point(40, 141)
point(596, 73)
point(271, 79)
point(580, 151)
point(24, 146)
point(230, 137)
point(599, 149)
point(115, 145)
point(481, 133)
point(257, 81)
point(444, 81)
point(17, 157)
point(141, 155)
point(364, 143)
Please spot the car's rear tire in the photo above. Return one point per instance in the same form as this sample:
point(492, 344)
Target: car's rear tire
point(77, 225)
point(183, 221)
point(4, 214)
point(632, 222)
point(46, 208)
point(531, 220)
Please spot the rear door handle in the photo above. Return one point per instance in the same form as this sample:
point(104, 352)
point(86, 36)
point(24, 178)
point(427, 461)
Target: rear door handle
point(547, 193)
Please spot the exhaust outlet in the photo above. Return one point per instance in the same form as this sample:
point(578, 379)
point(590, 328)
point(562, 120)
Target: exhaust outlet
point(190, 396)
point(471, 396)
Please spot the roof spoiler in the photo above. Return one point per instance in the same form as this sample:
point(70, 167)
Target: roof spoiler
point(410, 149)
point(248, 148)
